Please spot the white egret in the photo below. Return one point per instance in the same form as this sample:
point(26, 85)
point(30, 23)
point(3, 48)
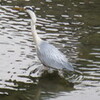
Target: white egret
point(48, 54)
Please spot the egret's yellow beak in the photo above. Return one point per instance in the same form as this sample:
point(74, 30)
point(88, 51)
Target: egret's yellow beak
point(19, 8)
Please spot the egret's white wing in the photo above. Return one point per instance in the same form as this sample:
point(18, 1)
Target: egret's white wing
point(50, 56)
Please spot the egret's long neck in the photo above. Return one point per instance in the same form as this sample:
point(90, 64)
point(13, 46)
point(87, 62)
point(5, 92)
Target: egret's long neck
point(37, 39)
point(34, 33)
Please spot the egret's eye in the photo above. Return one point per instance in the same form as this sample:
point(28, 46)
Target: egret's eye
point(29, 8)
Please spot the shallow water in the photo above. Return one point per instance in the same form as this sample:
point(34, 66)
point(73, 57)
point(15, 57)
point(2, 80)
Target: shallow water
point(73, 26)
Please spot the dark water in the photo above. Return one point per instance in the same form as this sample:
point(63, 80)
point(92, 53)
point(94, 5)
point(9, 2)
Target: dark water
point(73, 26)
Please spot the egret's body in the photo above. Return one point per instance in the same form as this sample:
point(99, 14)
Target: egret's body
point(48, 54)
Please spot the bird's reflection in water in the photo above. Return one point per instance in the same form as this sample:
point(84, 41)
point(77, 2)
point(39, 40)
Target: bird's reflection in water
point(50, 85)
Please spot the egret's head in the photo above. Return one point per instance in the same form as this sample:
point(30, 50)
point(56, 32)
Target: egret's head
point(29, 10)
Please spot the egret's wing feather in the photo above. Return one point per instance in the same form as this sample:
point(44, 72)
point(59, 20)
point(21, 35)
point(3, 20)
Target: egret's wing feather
point(52, 57)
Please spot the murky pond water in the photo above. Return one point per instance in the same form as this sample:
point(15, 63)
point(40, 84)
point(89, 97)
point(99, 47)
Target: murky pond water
point(73, 26)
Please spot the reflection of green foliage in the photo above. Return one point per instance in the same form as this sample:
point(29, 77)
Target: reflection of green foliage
point(91, 40)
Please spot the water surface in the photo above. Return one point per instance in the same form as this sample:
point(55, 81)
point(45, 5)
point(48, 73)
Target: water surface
point(72, 26)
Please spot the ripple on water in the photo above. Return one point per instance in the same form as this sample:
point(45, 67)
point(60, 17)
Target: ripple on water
point(18, 54)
